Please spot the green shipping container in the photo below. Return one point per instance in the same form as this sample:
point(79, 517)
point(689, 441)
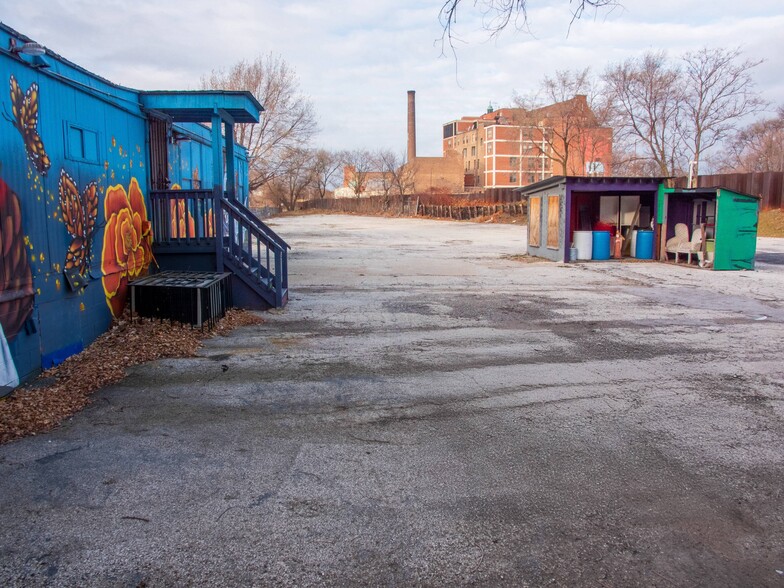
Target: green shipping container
point(736, 230)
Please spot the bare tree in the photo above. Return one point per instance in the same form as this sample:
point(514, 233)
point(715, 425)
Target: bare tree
point(404, 180)
point(758, 147)
point(384, 164)
point(677, 114)
point(648, 97)
point(295, 180)
point(288, 120)
point(719, 92)
point(572, 133)
point(498, 14)
point(627, 160)
point(398, 175)
point(359, 163)
point(326, 169)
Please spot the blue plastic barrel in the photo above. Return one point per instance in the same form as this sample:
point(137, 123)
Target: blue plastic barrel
point(644, 248)
point(601, 245)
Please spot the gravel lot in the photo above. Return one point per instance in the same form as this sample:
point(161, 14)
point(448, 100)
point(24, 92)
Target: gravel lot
point(430, 411)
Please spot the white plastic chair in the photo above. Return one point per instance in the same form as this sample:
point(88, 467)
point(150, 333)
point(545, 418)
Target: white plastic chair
point(681, 238)
point(691, 247)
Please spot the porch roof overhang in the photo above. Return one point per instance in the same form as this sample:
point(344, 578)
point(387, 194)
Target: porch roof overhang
point(199, 106)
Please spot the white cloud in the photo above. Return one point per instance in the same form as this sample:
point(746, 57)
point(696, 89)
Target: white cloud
point(356, 59)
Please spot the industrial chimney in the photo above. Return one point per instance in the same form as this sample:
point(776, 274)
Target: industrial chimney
point(411, 126)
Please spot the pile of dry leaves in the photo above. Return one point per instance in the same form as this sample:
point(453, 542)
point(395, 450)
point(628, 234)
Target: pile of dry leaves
point(63, 390)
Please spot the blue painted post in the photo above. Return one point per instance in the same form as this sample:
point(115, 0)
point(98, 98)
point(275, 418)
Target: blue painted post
point(217, 187)
point(278, 276)
point(231, 187)
point(284, 269)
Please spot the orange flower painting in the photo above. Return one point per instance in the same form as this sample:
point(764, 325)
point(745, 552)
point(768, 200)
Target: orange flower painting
point(16, 277)
point(127, 240)
point(209, 224)
point(183, 223)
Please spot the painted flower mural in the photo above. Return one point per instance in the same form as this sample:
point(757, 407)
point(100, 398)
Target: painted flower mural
point(183, 223)
point(16, 278)
point(127, 241)
point(16, 281)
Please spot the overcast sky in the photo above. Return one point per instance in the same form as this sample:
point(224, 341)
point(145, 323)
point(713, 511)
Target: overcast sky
point(357, 58)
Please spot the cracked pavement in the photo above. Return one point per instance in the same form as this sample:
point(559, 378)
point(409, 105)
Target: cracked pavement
point(431, 411)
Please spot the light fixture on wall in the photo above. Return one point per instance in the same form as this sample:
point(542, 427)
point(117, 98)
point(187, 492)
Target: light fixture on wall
point(29, 48)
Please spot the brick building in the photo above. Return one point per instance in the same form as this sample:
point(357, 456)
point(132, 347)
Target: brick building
point(421, 175)
point(513, 147)
point(437, 174)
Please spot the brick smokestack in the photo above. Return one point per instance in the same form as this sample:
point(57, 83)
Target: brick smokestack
point(411, 125)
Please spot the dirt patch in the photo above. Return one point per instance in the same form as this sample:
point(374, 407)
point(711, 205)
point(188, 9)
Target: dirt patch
point(771, 223)
point(66, 389)
point(525, 258)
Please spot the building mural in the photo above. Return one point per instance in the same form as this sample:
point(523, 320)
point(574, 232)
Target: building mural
point(72, 240)
point(79, 212)
point(16, 282)
point(127, 242)
point(24, 107)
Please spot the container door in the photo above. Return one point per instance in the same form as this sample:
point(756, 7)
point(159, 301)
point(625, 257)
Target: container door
point(736, 231)
point(159, 154)
point(534, 221)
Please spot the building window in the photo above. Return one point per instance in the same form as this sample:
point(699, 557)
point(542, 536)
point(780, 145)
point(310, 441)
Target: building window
point(513, 162)
point(489, 149)
point(473, 151)
point(81, 144)
point(512, 178)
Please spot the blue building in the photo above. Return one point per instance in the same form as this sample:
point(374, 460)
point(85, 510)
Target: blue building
point(101, 184)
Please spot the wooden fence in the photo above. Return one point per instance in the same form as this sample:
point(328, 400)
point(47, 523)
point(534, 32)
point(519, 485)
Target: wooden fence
point(469, 212)
point(502, 195)
point(769, 186)
point(412, 206)
point(392, 205)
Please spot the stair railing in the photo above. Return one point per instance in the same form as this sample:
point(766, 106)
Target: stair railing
point(188, 217)
point(182, 216)
point(255, 249)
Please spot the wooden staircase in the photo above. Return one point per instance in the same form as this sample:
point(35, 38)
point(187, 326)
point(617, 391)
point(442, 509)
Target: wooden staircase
point(195, 231)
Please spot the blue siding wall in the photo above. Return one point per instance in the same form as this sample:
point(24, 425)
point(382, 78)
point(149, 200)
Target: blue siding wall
point(94, 137)
point(190, 160)
point(89, 140)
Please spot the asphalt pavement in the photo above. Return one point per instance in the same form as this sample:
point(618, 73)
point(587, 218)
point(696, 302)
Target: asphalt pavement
point(431, 410)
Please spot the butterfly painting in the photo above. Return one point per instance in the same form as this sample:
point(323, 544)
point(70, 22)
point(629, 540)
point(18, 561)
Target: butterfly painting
point(24, 107)
point(79, 211)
